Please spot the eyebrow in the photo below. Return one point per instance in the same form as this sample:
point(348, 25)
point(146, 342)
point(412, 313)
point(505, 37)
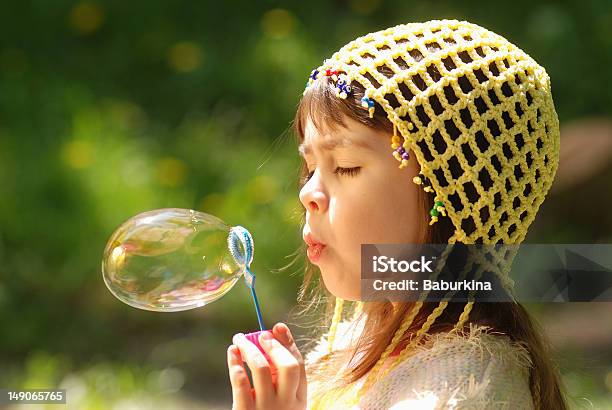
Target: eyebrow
point(332, 144)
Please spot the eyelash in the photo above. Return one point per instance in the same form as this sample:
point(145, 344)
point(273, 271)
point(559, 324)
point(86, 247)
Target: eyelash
point(351, 172)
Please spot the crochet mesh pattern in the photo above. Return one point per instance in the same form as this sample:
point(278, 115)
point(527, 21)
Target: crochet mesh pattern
point(477, 112)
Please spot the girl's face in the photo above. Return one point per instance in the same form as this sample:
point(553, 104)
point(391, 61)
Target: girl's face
point(356, 194)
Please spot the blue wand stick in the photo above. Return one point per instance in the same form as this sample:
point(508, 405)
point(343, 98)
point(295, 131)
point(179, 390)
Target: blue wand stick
point(250, 281)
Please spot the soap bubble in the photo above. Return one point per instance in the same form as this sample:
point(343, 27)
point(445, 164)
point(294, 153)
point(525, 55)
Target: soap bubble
point(173, 259)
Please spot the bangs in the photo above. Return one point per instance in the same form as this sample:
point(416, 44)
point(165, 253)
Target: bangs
point(329, 112)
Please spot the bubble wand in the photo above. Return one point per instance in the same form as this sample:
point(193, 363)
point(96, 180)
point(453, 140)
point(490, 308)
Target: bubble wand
point(239, 236)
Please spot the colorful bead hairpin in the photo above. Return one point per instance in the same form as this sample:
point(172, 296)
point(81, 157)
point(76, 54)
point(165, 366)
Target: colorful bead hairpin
point(332, 73)
point(368, 103)
point(314, 75)
point(400, 153)
point(438, 206)
point(343, 86)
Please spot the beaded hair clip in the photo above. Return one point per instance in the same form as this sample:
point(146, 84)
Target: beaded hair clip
point(368, 103)
point(342, 82)
point(342, 85)
point(343, 90)
point(438, 206)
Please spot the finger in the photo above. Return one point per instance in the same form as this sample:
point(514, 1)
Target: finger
point(283, 334)
point(260, 369)
point(286, 364)
point(241, 386)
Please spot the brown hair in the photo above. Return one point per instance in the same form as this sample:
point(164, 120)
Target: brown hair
point(382, 319)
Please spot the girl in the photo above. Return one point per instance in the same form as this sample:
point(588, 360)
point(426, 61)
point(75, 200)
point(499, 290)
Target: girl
point(471, 121)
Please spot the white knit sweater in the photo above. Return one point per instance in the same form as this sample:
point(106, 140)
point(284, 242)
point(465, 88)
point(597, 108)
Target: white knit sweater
point(475, 371)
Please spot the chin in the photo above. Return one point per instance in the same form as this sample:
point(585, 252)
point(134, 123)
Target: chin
point(341, 290)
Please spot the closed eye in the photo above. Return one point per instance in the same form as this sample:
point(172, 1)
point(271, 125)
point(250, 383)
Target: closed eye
point(351, 172)
point(347, 171)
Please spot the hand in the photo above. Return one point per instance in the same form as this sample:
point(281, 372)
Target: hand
point(289, 391)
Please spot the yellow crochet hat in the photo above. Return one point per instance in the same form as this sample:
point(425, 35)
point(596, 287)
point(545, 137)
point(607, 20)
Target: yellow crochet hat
point(476, 111)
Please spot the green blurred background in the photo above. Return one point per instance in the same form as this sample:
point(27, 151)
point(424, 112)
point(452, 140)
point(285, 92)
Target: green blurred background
point(108, 109)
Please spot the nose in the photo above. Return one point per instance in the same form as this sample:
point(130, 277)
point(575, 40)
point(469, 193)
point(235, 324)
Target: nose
point(312, 196)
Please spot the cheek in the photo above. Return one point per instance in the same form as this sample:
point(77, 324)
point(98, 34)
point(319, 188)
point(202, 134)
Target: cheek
point(352, 225)
point(386, 212)
point(404, 212)
point(406, 216)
